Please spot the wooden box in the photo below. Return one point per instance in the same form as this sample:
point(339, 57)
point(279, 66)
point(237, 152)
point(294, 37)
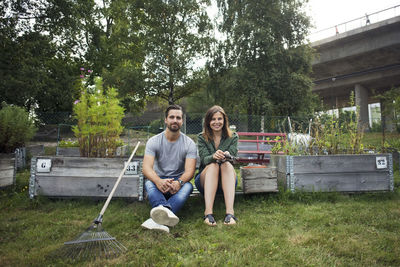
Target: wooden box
point(85, 177)
point(7, 169)
point(258, 179)
point(341, 173)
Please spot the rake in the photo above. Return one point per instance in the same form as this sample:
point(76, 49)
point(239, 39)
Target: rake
point(95, 241)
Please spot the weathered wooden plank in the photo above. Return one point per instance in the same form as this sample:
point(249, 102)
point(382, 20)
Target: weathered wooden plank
point(68, 151)
point(342, 182)
point(65, 186)
point(336, 163)
point(6, 178)
point(257, 180)
point(81, 162)
point(256, 173)
point(7, 169)
point(260, 185)
point(279, 161)
point(84, 177)
point(84, 172)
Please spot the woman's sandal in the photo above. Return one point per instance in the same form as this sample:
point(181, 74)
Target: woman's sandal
point(228, 218)
point(209, 220)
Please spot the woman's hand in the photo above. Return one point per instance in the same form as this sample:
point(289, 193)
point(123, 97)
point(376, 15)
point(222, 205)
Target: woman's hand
point(219, 155)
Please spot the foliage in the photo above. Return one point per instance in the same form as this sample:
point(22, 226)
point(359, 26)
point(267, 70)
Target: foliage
point(376, 127)
point(390, 102)
point(68, 143)
point(263, 66)
point(329, 134)
point(99, 117)
point(177, 34)
point(156, 125)
point(45, 41)
point(16, 128)
point(33, 75)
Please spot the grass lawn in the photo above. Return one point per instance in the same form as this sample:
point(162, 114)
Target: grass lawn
point(277, 229)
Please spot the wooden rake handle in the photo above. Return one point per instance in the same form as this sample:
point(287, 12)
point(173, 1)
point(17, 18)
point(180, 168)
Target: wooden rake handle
point(100, 217)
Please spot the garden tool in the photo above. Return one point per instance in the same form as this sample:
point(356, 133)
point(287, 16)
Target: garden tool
point(95, 241)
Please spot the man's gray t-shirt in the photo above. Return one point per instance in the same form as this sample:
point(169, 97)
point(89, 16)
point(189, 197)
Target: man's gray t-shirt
point(170, 156)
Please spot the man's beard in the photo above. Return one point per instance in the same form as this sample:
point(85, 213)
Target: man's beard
point(175, 129)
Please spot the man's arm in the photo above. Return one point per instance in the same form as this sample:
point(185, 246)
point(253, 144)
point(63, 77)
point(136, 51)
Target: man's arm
point(149, 173)
point(187, 175)
point(190, 167)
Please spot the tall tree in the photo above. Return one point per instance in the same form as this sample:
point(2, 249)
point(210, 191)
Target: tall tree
point(264, 57)
point(33, 72)
point(44, 42)
point(177, 35)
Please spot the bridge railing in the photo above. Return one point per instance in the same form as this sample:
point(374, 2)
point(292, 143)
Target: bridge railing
point(355, 23)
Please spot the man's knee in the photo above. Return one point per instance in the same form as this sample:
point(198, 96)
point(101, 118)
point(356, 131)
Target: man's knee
point(187, 188)
point(149, 186)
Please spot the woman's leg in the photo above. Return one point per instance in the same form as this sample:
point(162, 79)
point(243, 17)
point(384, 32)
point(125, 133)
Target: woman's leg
point(209, 181)
point(228, 181)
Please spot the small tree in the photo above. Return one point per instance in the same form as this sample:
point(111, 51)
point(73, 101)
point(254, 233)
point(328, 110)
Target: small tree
point(16, 128)
point(99, 117)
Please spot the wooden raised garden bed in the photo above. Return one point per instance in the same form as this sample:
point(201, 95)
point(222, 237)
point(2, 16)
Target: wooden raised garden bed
point(341, 173)
point(258, 179)
point(7, 169)
point(85, 177)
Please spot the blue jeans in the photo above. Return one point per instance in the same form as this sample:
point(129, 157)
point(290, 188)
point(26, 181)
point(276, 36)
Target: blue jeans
point(172, 201)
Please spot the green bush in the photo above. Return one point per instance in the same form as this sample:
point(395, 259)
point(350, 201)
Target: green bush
point(99, 117)
point(68, 143)
point(16, 128)
point(376, 127)
point(156, 126)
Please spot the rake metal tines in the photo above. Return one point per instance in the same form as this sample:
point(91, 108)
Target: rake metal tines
point(94, 243)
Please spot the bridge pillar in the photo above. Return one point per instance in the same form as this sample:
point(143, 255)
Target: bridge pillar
point(361, 95)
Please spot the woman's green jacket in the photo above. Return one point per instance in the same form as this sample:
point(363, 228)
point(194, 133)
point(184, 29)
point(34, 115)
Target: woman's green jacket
point(207, 149)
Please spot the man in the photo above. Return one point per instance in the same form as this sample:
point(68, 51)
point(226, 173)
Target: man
point(169, 164)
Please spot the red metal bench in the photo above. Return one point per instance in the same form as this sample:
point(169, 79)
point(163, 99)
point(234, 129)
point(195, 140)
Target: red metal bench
point(255, 146)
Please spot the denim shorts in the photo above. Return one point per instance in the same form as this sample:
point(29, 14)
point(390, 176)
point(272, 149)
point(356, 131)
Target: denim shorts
point(201, 189)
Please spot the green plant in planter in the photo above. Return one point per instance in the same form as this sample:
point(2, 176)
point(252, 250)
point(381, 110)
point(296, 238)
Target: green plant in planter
point(335, 136)
point(16, 128)
point(68, 143)
point(99, 117)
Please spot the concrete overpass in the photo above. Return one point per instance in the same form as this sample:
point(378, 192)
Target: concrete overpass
point(365, 60)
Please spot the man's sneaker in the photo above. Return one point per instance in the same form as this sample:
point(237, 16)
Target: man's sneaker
point(164, 216)
point(151, 225)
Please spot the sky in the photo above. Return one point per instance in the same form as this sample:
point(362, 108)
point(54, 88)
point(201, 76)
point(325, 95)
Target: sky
point(328, 13)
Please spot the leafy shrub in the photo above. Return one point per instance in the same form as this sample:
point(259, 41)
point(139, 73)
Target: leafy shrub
point(376, 127)
point(99, 117)
point(155, 126)
point(16, 128)
point(68, 143)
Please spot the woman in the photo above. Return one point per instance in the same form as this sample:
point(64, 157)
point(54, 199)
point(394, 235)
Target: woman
point(215, 172)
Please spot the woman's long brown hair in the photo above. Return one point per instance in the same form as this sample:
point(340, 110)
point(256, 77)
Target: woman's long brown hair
point(207, 131)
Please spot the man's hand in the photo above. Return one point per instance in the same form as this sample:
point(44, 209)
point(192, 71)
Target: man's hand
point(174, 186)
point(164, 185)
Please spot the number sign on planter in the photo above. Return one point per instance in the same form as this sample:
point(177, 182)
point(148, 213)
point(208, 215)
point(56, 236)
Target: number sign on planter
point(381, 163)
point(43, 165)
